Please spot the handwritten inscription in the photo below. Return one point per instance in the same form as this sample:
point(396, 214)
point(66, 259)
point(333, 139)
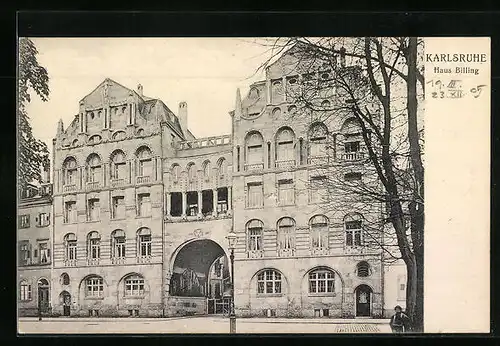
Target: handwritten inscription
point(454, 89)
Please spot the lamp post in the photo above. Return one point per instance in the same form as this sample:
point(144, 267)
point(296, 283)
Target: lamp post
point(231, 238)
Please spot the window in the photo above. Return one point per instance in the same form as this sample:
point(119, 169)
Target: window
point(192, 172)
point(269, 282)
point(94, 172)
point(363, 269)
point(254, 229)
point(24, 290)
point(118, 207)
point(277, 91)
point(318, 191)
point(206, 170)
point(176, 173)
point(325, 104)
point(24, 221)
point(24, 253)
point(254, 149)
point(65, 279)
point(353, 230)
point(70, 212)
point(351, 147)
point(70, 246)
point(401, 287)
point(318, 135)
point(93, 210)
point(94, 245)
point(222, 168)
point(255, 195)
point(95, 287)
point(118, 135)
point(118, 244)
point(321, 281)
point(44, 252)
point(285, 145)
point(351, 126)
point(238, 158)
point(319, 232)
point(43, 220)
point(144, 204)
point(286, 192)
point(352, 176)
point(144, 242)
point(286, 235)
point(118, 165)
point(222, 200)
point(276, 113)
point(69, 171)
point(192, 203)
point(134, 286)
point(145, 162)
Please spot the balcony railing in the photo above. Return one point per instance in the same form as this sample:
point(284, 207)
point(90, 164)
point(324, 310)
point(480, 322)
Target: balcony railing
point(320, 251)
point(93, 261)
point(358, 155)
point(318, 160)
point(68, 188)
point(93, 185)
point(285, 164)
point(204, 142)
point(118, 260)
point(255, 253)
point(254, 166)
point(144, 179)
point(144, 259)
point(70, 263)
point(117, 182)
point(286, 252)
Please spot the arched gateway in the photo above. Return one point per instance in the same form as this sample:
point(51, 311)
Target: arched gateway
point(200, 281)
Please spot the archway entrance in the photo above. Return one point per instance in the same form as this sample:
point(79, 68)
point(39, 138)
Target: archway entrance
point(43, 296)
point(363, 301)
point(201, 271)
point(65, 299)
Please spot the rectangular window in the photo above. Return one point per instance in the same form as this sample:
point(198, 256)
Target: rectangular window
point(119, 170)
point(255, 198)
point(318, 191)
point(70, 212)
point(401, 287)
point(95, 287)
point(238, 159)
point(118, 207)
point(94, 210)
point(286, 192)
point(71, 250)
point(134, 287)
point(145, 245)
point(70, 177)
point(43, 220)
point(146, 168)
point(351, 147)
point(144, 204)
point(254, 154)
point(95, 174)
point(24, 253)
point(24, 221)
point(353, 176)
point(255, 239)
point(25, 291)
point(120, 247)
point(353, 233)
point(44, 252)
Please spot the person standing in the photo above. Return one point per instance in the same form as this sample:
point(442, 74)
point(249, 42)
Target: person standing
point(400, 322)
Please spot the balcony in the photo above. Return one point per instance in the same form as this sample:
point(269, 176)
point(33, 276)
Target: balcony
point(320, 251)
point(318, 160)
point(69, 188)
point(284, 164)
point(70, 263)
point(286, 252)
point(93, 261)
point(117, 182)
point(93, 185)
point(254, 166)
point(143, 179)
point(255, 253)
point(144, 259)
point(117, 260)
point(355, 156)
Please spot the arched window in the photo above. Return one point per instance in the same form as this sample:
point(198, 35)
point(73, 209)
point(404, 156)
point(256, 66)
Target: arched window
point(144, 242)
point(70, 247)
point(318, 134)
point(319, 232)
point(285, 145)
point(192, 173)
point(134, 285)
point(93, 245)
point(276, 112)
point(286, 236)
point(206, 170)
point(325, 104)
point(69, 170)
point(254, 149)
point(363, 269)
point(94, 172)
point(176, 173)
point(118, 244)
point(351, 126)
point(94, 286)
point(321, 281)
point(118, 135)
point(24, 290)
point(145, 162)
point(353, 229)
point(65, 278)
point(222, 165)
point(255, 234)
point(118, 165)
point(74, 143)
point(253, 94)
point(292, 109)
point(277, 91)
point(269, 282)
point(141, 133)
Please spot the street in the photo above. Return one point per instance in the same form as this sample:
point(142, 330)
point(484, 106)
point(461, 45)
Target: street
point(198, 325)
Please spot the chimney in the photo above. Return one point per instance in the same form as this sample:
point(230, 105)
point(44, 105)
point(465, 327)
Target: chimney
point(342, 57)
point(140, 90)
point(183, 116)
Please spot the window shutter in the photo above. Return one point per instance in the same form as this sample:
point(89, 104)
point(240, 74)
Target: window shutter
point(29, 291)
point(37, 220)
point(48, 253)
point(47, 216)
point(29, 254)
point(35, 253)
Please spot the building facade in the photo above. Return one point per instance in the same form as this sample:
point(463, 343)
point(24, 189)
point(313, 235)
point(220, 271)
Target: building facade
point(141, 210)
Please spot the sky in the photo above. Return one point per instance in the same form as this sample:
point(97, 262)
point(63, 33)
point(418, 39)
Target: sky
point(204, 72)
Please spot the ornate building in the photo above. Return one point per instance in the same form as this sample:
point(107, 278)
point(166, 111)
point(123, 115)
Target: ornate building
point(142, 208)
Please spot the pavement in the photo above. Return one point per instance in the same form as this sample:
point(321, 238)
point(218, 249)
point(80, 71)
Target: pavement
point(197, 325)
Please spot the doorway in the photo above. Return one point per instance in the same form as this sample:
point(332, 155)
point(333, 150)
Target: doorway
point(363, 301)
point(66, 303)
point(43, 296)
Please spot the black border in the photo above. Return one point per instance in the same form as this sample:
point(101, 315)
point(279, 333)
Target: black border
point(228, 23)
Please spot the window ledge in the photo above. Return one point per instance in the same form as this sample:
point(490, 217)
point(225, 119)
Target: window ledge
point(269, 295)
point(322, 294)
point(118, 219)
point(143, 217)
point(94, 298)
point(134, 297)
point(92, 221)
point(262, 207)
point(25, 300)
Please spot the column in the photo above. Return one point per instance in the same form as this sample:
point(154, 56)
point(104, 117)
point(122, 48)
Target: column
point(229, 199)
point(167, 204)
point(283, 81)
point(214, 211)
point(200, 201)
point(184, 203)
point(268, 91)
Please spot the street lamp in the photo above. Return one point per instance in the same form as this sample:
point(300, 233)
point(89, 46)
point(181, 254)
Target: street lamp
point(231, 239)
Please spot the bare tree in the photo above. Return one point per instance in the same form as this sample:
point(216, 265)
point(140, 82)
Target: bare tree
point(376, 85)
